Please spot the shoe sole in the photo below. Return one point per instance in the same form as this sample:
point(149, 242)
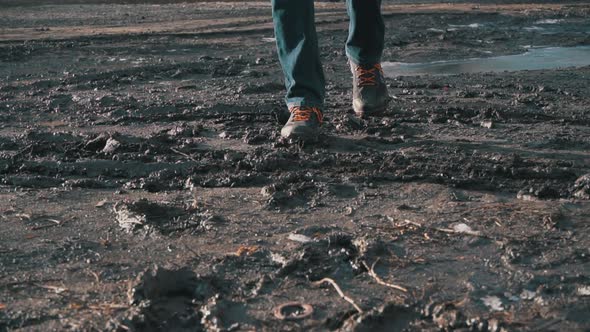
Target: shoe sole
point(310, 136)
point(369, 112)
point(304, 138)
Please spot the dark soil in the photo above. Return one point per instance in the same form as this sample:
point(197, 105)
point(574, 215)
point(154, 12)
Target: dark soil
point(144, 185)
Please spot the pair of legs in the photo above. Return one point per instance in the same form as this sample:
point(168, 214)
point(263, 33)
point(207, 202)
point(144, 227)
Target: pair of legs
point(299, 53)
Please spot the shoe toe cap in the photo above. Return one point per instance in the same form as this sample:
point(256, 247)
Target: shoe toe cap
point(299, 132)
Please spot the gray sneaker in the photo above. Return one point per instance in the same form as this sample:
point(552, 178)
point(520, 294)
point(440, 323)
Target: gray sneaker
point(304, 123)
point(369, 92)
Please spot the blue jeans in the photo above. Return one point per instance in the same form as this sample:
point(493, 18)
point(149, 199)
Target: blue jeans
point(298, 50)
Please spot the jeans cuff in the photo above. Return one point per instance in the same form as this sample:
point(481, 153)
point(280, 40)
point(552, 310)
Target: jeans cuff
point(358, 61)
point(298, 102)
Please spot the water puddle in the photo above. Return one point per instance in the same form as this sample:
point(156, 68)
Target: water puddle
point(533, 59)
point(554, 26)
point(549, 21)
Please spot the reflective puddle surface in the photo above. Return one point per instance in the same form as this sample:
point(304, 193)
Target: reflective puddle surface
point(533, 59)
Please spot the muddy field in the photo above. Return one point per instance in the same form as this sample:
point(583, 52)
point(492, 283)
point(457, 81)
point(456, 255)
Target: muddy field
point(145, 187)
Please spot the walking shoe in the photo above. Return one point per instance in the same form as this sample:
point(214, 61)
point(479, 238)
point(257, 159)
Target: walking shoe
point(369, 92)
point(304, 123)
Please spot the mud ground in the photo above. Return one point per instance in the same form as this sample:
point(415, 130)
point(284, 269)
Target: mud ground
point(145, 187)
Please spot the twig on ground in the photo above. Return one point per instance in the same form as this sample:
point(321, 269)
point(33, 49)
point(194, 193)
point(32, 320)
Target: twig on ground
point(497, 222)
point(342, 295)
point(23, 216)
point(25, 282)
point(55, 222)
point(183, 154)
point(56, 289)
point(380, 281)
point(95, 275)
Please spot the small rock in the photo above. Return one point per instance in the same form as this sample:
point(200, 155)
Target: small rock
point(300, 238)
point(101, 203)
point(463, 228)
point(111, 146)
point(527, 294)
point(584, 290)
point(349, 211)
point(489, 124)
point(493, 302)
point(268, 191)
point(279, 259)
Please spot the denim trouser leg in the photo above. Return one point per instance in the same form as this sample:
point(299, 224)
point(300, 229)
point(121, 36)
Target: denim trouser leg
point(299, 56)
point(298, 50)
point(366, 33)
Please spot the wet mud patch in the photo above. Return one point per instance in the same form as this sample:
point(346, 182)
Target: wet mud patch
point(533, 59)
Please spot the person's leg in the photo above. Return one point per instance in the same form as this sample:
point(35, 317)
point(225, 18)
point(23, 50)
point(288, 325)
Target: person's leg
point(298, 51)
point(364, 48)
point(366, 33)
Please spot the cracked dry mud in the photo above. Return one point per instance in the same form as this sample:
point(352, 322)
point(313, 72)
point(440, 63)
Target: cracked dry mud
point(145, 186)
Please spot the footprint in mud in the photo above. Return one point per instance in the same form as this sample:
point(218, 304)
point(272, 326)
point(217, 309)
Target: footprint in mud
point(337, 255)
point(164, 299)
point(532, 194)
point(225, 315)
point(296, 190)
point(389, 317)
point(147, 217)
point(334, 257)
point(179, 300)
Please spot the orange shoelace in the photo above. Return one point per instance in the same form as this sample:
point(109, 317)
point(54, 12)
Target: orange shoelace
point(304, 113)
point(368, 76)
